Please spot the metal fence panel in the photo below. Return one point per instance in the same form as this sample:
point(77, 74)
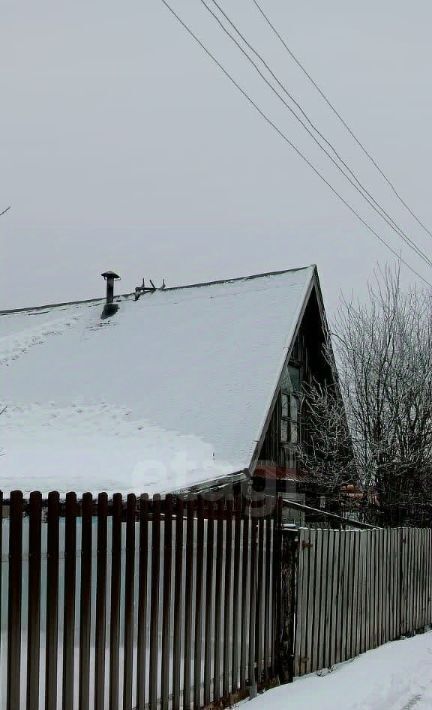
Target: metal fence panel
point(359, 589)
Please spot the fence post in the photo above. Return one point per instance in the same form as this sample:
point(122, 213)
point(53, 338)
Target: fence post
point(285, 607)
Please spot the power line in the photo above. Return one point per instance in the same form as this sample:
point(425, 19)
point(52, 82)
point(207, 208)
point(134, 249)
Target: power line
point(289, 142)
point(342, 120)
point(382, 212)
point(359, 186)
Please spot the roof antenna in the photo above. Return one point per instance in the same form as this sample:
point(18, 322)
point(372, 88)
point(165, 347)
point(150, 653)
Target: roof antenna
point(139, 290)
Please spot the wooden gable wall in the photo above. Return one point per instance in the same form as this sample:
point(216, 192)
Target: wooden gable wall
point(277, 456)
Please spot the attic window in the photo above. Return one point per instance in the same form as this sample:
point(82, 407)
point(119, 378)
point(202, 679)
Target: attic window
point(291, 379)
point(289, 424)
point(294, 420)
point(285, 405)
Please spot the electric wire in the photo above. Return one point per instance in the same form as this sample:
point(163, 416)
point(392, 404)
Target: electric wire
point(376, 206)
point(284, 137)
point(342, 120)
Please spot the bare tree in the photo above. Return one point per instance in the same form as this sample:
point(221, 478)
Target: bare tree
point(325, 455)
point(384, 356)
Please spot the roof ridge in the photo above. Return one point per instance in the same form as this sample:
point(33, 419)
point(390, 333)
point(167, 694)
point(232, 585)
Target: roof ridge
point(240, 278)
point(168, 288)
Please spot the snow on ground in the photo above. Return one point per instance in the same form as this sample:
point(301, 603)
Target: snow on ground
point(170, 391)
point(397, 676)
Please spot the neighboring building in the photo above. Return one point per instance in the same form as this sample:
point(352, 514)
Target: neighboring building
point(189, 386)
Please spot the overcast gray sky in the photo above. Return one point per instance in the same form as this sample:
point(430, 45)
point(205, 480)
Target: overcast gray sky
point(122, 146)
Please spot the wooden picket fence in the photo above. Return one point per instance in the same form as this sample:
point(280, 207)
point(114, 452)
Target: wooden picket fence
point(137, 602)
point(141, 603)
point(357, 589)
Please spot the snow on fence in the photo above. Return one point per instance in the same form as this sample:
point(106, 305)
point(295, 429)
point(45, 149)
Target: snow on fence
point(358, 589)
point(136, 603)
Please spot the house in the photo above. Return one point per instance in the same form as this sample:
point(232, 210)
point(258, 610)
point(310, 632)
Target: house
point(179, 387)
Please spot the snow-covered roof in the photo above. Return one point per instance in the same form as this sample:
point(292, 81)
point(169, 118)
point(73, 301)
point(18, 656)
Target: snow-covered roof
point(172, 390)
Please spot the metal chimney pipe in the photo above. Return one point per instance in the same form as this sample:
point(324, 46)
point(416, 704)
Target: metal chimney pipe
point(110, 277)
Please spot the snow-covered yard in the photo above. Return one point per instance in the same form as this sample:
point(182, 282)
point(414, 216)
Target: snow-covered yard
point(397, 676)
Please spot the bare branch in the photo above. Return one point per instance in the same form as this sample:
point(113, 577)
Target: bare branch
point(384, 356)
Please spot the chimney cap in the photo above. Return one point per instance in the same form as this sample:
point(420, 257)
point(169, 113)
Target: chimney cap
point(110, 274)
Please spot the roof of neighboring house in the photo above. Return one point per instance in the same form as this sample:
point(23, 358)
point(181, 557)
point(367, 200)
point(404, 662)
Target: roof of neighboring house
point(172, 390)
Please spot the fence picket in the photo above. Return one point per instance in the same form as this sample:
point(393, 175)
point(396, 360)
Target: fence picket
point(236, 596)
point(154, 603)
point(14, 606)
point(115, 601)
point(340, 599)
point(334, 557)
point(397, 581)
point(129, 602)
point(142, 602)
point(166, 601)
point(267, 600)
point(363, 592)
point(387, 582)
point(309, 548)
point(245, 597)
point(409, 601)
point(227, 599)
point(199, 603)
point(85, 602)
point(369, 595)
point(209, 605)
point(34, 590)
point(101, 583)
point(218, 600)
point(316, 540)
point(253, 602)
point(188, 605)
point(178, 616)
point(69, 602)
point(374, 587)
point(51, 658)
point(259, 603)
point(299, 635)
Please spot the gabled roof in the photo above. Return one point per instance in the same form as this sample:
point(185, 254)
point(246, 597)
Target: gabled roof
point(172, 390)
